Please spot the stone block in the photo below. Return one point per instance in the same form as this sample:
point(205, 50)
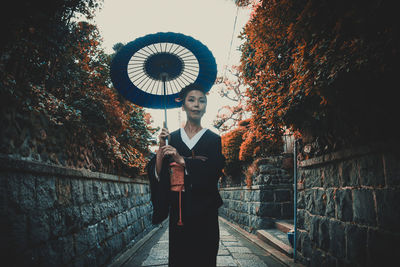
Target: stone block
point(301, 199)
point(323, 234)
point(254, 208)
point(337, 238)
point(349, 173)
point(89, 195)
point(270, 209)
point(309, 200)
point(330, 203)
point(122, 222)
point(313, 228)
point(97, 191)
point(283, 195)
point(77, 189)
point(356, 248)
point(56, 223)
point(105, 191)
point(300, 218)
point(287, 210)
point(388, 209)
point(320, 202)
point(311, 177)
point(72, 219)
point(85, 239)
point(344, 204)
point(266, 195)
point(63, 189)
point(364, 207)
point(371, 170)
point(306, 246)
point(330, 175)
point(86, 214)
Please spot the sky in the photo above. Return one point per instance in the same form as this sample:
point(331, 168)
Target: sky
point(212, 22)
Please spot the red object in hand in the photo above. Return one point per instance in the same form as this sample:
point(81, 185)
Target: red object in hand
point(177, 184)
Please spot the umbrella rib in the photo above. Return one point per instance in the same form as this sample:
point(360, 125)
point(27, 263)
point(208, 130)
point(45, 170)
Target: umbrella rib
point(136, 63)
point(141, 81)
point(147, 78)
point(175, 85)
point(155, 47)
point(176, 48)
point(134, 57)
point(188, 57)
point(180, 50)
point(131, 72)
point(191, 74)
point(183, 76)
point(178, 82)
point(154, 82)
point(139, 77)
point(150, 49)
point(172, 45)
point(179, 78)
point(187, 52)
point(140, 52)
point(194, 70)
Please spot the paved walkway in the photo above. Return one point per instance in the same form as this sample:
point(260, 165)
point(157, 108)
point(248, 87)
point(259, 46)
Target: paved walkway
point(234, 250)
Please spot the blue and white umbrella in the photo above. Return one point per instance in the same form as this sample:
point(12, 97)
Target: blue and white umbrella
point(151, 70)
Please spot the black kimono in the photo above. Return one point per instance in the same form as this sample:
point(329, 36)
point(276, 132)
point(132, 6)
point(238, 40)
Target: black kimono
point(196, 242)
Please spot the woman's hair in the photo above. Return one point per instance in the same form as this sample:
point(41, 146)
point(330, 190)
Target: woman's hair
point(185, 90)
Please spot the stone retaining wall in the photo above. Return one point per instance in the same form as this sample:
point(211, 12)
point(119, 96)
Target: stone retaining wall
point(56, 216)
point(270, 196)
point(256, 207)
point(349, 208)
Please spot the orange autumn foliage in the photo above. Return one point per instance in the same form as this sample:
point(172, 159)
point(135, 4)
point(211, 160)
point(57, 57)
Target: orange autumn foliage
point(324, 66)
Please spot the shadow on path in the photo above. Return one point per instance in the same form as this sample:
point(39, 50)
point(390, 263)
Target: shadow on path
point(234, 250)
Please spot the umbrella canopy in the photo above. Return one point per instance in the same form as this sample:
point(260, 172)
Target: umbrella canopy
point(151, 70)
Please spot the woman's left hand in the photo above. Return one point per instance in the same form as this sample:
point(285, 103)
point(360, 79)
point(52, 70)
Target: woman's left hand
point(171, 151)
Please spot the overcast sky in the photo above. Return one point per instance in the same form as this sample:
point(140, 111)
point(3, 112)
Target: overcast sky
point(209, 21)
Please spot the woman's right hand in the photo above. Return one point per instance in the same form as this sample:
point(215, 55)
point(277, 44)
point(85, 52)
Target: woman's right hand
point(159, 157)
point(163, 136)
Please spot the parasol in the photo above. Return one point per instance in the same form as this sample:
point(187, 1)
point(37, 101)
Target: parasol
point(151, 70)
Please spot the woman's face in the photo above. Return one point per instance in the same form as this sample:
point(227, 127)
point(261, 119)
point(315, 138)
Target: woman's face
point(195, 105)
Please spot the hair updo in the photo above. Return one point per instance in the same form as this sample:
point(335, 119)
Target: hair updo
point(185, 90)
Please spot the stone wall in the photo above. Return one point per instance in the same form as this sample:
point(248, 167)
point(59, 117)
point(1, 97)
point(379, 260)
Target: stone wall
point(349, 208)
point(256, 207)
point(269, 198)
point(57, 216)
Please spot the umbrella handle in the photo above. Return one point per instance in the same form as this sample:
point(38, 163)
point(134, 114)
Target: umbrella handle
point(165, 126)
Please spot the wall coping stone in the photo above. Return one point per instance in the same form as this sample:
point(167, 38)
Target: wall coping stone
point(258, 187)
point(9, 163)
point(345, 154)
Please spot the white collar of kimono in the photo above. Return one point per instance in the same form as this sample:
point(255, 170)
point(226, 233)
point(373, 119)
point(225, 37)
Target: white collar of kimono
point(190, 143)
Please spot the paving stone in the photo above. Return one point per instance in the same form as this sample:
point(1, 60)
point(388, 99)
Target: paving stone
point(238, 250)
point(226, 261)
point(251, 263)
point(232, 243)
point(222, 250)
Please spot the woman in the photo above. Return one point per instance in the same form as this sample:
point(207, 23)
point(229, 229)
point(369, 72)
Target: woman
point(192, 210)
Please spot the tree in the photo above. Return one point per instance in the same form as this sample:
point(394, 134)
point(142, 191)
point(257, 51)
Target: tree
point(56, 79)
point(232, 88)
point(322, 67)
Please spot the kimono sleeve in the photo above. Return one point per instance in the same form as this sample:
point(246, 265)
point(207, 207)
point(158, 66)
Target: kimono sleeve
point(204, 173)
point(159, 189)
